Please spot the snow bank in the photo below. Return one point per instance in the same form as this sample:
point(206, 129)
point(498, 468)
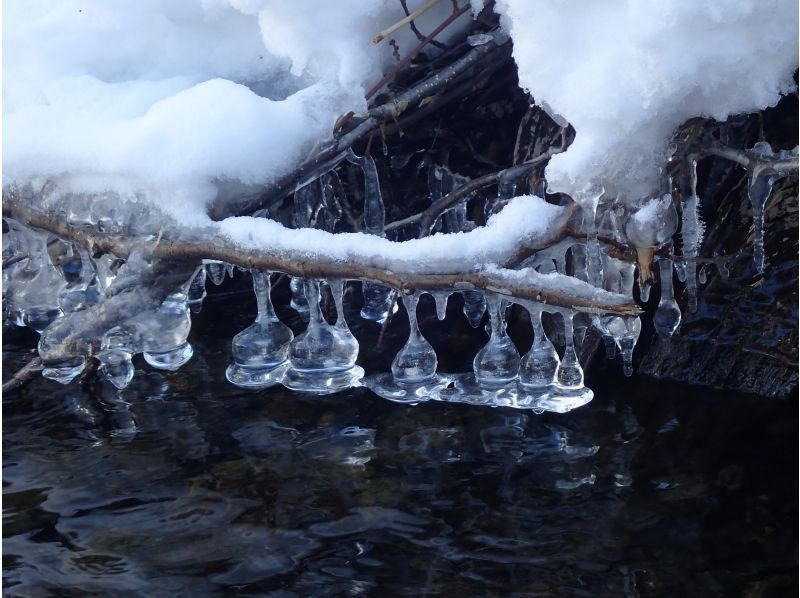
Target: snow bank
point(521, 222)
point(172, 97)
point(626, 73)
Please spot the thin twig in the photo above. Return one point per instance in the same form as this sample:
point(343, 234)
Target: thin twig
point(408, 19)
point(417, 49)
point(23, 376)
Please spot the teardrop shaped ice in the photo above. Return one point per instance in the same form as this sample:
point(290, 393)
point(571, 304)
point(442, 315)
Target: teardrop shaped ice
point(497, 363)
point(570, 373)
point(416, 362)
point(215, 270)
point(474, 307)
point(164, 342)
point(323, 357)
point(668, 315)
point(539, 366)
point(440, 301)
point(117, 348)
point(263, 346)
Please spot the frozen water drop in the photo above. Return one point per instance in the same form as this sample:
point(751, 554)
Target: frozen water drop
point(474, 307)
point(570, 373)
point(416, 362)
point(668, 315)
point(497, 363)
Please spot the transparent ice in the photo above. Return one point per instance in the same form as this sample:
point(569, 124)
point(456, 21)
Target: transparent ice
point(497, 363)
point(260, 349)
point(165, 332)
point(668, 315)
point(323, 358)
point(474, 307)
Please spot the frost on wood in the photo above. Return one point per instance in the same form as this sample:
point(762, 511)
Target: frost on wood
point(114, 154)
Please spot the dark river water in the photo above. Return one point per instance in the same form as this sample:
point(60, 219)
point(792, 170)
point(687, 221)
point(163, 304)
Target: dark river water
point(183, 485)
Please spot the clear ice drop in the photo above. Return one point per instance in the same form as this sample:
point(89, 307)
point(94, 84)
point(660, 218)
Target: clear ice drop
point(261, 347)
point(322, 347)
point(570, 373)
point(440, 301)
point(164, 342)
point(474, 307)
point(668, 315)
point(116, 352)
point(416, 362)
point(497, 363)
point(539, 366)
point(215, 271)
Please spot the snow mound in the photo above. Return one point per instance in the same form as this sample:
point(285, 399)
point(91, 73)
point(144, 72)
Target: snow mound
point(179, 99)
point(627, 73)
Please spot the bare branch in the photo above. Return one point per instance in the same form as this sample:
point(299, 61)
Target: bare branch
point(408, 19)
point(23, 376)
point(747, 160)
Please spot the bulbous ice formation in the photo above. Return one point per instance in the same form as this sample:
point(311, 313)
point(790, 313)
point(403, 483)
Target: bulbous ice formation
point(416, 362)
point(497, 363)
point(263, 346)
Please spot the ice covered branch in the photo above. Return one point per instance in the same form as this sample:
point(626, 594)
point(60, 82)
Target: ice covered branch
point(404, 266)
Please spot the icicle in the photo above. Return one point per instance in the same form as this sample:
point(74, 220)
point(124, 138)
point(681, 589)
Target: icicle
point(196, 293)
point(589, 199)
point(680, 270)
point(668, 315)
point(474, 307)
point(331, 190)
point(691, 229)
point(262, 347)
point(702, 274)
point(720, 261)
point(374, 211)
point(539, 366)
point(79, 293)
point(416, 362)
point(497, 363)
point(759, 187)
point(378, 299)
point(578, 261)
point(570, 373)
point(304, 205)
point(440, 301)
point(633, 326)
point(298, 301)
point(215, 271)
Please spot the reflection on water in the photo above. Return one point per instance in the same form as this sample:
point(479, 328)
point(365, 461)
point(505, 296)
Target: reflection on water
point(185, 485)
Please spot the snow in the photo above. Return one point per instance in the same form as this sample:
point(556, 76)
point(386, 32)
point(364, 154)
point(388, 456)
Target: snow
point(178, 99)
point(521, 222)
point(627, 73)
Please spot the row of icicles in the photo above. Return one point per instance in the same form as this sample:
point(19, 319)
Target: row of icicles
point(40, 287)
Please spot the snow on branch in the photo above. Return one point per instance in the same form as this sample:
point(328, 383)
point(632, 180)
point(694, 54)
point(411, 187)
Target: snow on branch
point(476, 260)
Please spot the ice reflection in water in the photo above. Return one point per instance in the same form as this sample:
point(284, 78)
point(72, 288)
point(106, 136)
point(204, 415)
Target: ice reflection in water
point(174, 487)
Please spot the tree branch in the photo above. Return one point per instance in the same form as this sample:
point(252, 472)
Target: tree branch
point(23, 376)
point(294, 263)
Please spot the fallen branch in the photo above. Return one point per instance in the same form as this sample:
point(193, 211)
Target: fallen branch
point(23, 376)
